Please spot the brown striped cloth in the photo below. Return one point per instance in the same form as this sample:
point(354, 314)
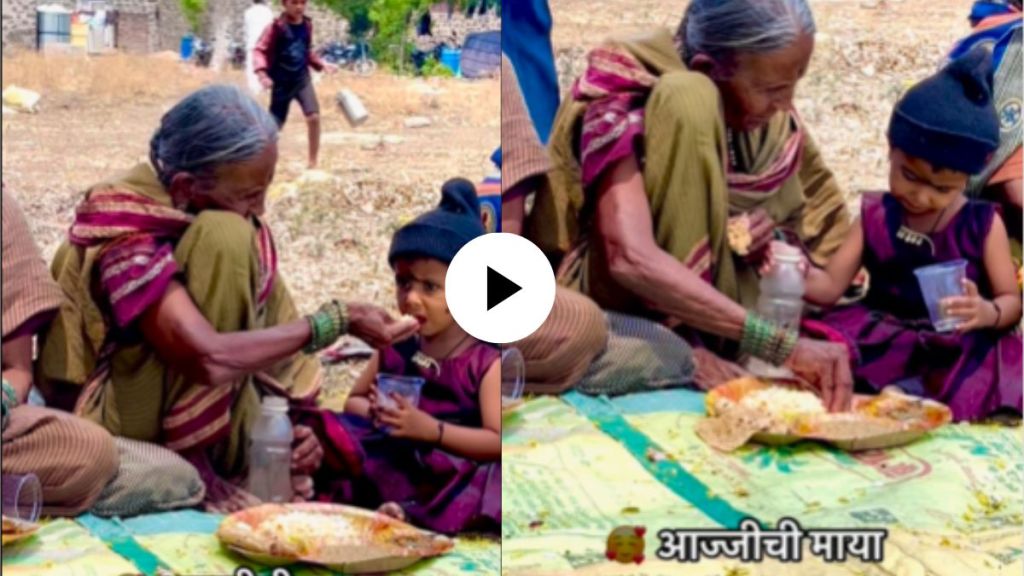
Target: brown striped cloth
point(560, 352)
point(30, 295)
point(73, 458)
point(523, 157)
point(642, 355)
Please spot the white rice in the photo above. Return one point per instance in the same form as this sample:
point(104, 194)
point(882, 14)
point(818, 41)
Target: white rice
point(783, 403)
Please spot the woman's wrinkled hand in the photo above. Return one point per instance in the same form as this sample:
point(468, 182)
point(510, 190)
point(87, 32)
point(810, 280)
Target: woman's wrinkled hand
point(377, 327)
point(825, 366)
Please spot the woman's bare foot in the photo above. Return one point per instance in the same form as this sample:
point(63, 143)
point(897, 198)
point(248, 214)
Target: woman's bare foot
point(222, 496)
point(393, 510)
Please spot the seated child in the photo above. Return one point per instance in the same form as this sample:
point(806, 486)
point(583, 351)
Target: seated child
point(439, 462)
point(941, 132)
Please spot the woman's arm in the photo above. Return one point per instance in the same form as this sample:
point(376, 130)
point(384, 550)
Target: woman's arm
point(17, 365)
point(826, 286)
point(359, 400)
point(481, 444)
point(638, 264)
point(183, 338)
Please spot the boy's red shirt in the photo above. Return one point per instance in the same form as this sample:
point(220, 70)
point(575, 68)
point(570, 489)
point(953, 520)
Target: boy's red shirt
point(261, 55)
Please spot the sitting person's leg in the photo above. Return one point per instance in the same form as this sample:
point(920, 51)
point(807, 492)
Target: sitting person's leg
point(559, 353)
point(73, 458)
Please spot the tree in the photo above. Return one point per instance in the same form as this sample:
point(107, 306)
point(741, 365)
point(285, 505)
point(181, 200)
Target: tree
point(220, 23)
point(193, 10)
point(355, 12)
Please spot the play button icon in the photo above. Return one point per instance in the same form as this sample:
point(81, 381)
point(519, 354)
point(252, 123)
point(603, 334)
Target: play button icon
point(500, 288)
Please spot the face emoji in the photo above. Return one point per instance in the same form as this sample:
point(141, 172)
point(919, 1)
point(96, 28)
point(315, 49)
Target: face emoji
point(626, 544)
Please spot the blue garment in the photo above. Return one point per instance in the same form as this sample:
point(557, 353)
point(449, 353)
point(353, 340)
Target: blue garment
point(526, 41)
point(985, 8)
point(998, 38)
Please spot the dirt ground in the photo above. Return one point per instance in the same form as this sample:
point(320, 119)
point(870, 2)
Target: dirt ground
point(332, 227)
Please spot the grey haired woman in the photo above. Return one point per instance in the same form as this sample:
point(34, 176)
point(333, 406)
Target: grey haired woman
point(177, 319)
point(665, 140)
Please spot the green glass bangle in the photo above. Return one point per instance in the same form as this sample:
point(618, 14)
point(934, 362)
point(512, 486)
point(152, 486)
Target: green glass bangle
point(10, 396)
point(314, 337)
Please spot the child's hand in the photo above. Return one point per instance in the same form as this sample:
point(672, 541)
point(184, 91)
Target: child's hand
point(266, 82)
point(974, 311)
point(330, 68)
point(308, 453)
point(769, 263)
point(408, 421)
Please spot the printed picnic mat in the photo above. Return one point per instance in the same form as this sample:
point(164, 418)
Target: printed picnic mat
point(575, 468)
point(181, 543)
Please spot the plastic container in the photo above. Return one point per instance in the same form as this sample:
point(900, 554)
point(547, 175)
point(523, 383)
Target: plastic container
point(409, 387)
point(451, 58)
point(270, 452)
point(513, 375)
point(22, 496)
point(781, 297)
point(188, 46)
point(353, 108)
point(938, 282)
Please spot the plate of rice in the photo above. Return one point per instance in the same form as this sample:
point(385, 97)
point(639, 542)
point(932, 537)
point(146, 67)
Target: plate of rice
point(774, 413)
point(343, 538)
point(15, 530)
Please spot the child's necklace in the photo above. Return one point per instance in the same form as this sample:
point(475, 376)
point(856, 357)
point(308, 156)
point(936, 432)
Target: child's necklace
point(915, 238)
point(427, 362)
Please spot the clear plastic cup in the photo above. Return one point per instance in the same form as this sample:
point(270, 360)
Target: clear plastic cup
point(938, 282)
point(408, 387)
point(513, 375)
point(22, 497)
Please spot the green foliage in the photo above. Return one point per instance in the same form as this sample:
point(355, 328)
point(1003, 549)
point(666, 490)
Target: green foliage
point(391, 20)
point(434, 68)
point(193, 10)
point(356, 12)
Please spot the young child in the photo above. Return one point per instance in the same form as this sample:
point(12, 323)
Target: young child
point(941, 132)
point(439, 462)
point(282, 60)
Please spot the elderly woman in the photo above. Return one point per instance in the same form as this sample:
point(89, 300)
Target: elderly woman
point(663, 141)
point(177, 320)
point(73, 459)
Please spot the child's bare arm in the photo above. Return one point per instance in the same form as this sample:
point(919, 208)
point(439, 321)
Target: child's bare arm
point(1002, 276)
point(1004, 309)
point(359, 400)
point(825, 286)
point(481, 444)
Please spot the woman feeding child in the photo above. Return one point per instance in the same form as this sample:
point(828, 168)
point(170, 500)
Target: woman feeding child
point(435, 451)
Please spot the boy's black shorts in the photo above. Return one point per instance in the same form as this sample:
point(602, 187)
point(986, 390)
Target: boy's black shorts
point(282, 94)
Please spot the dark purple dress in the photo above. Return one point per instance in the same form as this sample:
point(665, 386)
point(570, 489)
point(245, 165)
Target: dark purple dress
point(438, 491)
point(976, 374)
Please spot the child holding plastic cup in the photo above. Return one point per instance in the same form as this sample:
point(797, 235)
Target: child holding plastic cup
point(967, 354)
point(431, 450)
